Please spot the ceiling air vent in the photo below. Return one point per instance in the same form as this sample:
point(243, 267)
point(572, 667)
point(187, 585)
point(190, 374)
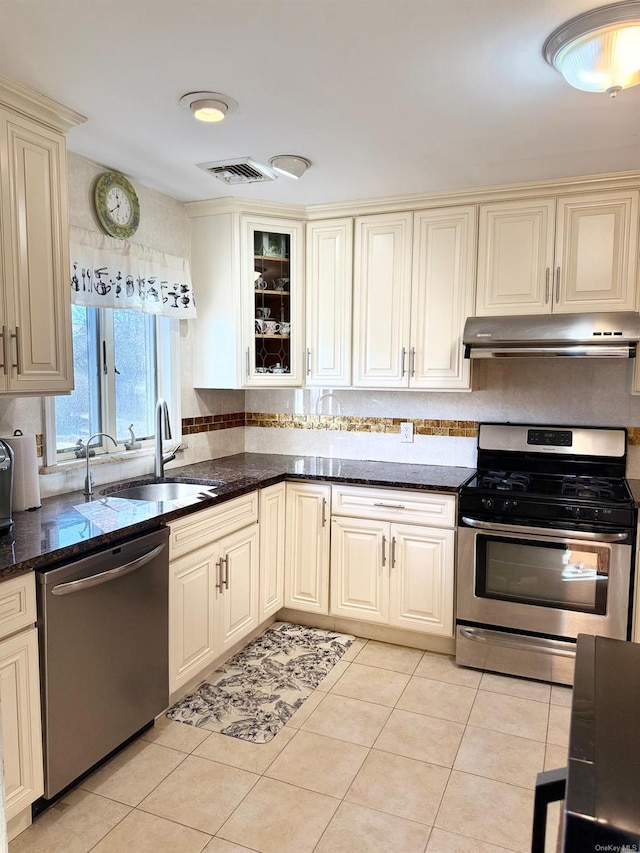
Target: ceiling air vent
point(243, 170)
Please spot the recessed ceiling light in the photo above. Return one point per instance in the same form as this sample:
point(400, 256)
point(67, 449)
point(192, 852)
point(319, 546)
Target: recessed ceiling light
point(599, 51)
point(208, 106)
point(290, 165)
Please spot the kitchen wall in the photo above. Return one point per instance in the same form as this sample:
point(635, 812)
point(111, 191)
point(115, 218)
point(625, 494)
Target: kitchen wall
point(164, 225)
point(342, 423)
point(553, 391)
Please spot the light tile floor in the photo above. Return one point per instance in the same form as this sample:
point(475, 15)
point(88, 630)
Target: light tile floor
point(397, 751)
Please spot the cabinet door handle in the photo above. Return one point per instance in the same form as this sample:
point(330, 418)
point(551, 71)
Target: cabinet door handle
point(412, 362)
point(248, 363)
point(324, 512)
point(393, 552)
point(219, 575)
point(308, 362)
point(557, 285)
point(5, 361)
point(18, 364)
point(404, 357)
point(389, 506)
point(225, 560)
point(384, 550)
point(546, 285)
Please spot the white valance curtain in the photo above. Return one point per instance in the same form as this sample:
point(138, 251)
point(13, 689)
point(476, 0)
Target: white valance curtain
point(110, 273)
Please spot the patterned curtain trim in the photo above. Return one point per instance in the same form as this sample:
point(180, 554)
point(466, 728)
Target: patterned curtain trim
point(110, 273)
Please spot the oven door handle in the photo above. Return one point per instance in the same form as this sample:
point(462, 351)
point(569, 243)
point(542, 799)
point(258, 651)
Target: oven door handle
point(552, 532)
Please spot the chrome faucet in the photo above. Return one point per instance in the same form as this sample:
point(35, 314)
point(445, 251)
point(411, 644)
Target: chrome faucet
point(163, 427)
point(88, 480)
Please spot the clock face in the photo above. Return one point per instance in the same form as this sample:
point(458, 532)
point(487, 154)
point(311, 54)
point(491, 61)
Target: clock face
point(116, 205)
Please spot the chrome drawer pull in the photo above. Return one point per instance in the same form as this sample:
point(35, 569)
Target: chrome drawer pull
point(389, 506)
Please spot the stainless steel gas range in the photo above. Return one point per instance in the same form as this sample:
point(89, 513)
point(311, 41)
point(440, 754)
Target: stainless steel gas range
point(546, 538)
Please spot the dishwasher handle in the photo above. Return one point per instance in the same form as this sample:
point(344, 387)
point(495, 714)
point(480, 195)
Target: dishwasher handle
point(109, 575)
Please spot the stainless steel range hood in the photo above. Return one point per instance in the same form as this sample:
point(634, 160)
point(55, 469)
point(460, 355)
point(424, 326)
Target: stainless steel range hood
point(598, 335)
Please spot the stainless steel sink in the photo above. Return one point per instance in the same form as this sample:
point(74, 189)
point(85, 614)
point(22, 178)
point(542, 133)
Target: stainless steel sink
point(166, 491)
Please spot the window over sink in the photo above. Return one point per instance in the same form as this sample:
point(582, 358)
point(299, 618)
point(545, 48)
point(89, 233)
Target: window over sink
point(123, 360)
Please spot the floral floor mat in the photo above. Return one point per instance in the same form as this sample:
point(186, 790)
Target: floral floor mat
point(254, 694)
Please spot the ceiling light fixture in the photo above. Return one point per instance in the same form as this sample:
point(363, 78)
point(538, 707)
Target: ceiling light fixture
point(208, 106)
point(599, 51)
point(290, 165)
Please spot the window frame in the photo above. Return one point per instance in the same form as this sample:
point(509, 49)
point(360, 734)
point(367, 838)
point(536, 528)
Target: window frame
point(167, 339)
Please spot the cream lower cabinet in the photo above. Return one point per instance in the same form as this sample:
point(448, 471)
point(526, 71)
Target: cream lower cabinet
point(308, 511)
point(213, 585)
point(20, 696)
point(272, 536)
point(391, 572)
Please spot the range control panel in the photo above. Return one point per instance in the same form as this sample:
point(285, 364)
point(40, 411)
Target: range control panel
point(550, 437)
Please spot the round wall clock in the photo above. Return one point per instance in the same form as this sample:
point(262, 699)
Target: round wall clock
point(116, 204)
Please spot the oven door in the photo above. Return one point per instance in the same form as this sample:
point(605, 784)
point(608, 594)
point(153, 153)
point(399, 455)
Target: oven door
point(558, 583)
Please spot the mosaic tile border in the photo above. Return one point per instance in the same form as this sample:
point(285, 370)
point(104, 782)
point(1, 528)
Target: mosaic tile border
point(343, 423)
point(210, 423)
point(633, 436)
point(352, 423)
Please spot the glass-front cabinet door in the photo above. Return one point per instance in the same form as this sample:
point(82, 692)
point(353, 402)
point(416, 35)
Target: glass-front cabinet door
point(273, 288)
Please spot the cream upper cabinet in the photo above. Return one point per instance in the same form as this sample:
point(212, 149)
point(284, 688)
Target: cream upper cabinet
point(596, 253)
point(36, 354)
point(576, 253)
point(381, 299)
point(248, 274)
point(414, 278)
point(306, 585)
point(442, 297)
point(515, 257)
point(329, 291)
point(272, 283)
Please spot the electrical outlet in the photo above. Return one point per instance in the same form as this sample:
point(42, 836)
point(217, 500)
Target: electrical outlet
point(406, 431)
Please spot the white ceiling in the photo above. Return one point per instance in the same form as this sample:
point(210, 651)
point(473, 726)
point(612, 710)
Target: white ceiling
point(385, 97)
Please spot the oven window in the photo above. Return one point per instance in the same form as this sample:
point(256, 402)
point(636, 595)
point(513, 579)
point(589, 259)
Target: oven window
point(571, 576)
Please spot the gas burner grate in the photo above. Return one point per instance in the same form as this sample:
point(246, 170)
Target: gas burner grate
point(505, 481)
point(587, 487)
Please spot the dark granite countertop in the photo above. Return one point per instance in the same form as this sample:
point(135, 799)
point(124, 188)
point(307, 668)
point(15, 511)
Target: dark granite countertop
point(67, 526)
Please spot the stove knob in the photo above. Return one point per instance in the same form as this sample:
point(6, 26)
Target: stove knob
point(506, 506)
point(487, 503)
point(576, 512)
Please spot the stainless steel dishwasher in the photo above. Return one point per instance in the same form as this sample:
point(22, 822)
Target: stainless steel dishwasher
point(103, 630)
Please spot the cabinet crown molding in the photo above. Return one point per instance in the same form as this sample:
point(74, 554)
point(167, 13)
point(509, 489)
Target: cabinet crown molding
point(419, 201)
point(229, 204)
point(23, 100)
